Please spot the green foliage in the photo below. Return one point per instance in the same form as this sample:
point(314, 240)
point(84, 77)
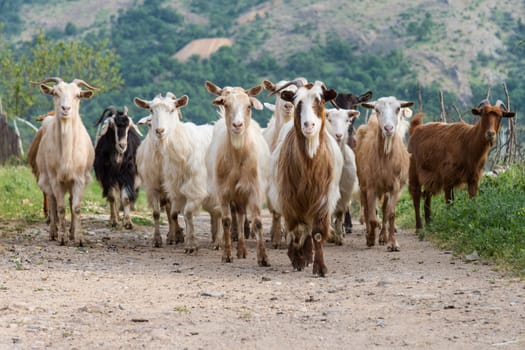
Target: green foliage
point(22, 198)
point(96, 64)
point(492, 223)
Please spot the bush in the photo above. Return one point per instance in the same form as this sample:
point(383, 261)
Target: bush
point(492, 223)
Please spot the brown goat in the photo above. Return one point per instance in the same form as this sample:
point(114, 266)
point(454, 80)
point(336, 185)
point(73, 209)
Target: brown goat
point(237, 164)
point(443, 156)
point(306, 169)
point(382, 167)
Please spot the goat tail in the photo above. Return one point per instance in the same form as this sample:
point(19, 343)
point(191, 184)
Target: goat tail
point(416, 121)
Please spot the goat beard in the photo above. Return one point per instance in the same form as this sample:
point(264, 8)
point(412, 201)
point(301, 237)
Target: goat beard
point(388, 144)
point(237, 140)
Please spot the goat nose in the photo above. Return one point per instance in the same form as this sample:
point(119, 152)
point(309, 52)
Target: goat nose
point(490, 135)
point(309, 125)
point(159, 131)
point(237, 124)
point(123, 145)
point(66, 108)
point(288, 105)
point(339, 136)
point(389, 128)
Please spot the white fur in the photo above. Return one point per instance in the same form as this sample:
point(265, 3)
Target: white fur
point(64, 159)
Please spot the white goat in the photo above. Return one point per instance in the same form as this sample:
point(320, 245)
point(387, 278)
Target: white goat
point(149, 167)
point(65, 156)
point(238, 164)
point(339, 121)
point(184, 146)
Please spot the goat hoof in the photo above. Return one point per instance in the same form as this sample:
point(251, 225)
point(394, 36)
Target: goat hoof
point(157, 244)
point(128, 226)
point(227, 259)
point(393, 248)
point(319, 269)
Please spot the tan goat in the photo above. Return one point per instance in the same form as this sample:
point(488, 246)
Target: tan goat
point(65, 156)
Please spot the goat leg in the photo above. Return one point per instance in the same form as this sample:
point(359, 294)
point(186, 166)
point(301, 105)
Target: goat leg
point(53, 218)
point(319, 267)
point(241, 243)
point(276, 230)
point(191, 244)
point(227, 252)
point(262, 258)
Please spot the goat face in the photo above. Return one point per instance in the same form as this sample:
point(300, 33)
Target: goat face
point(388, 111)
point(350, 100)
point(237, 104)
point(339, 121)
point(165, 112)
point(309, 101)
point(491, 120)
point(66, 97)
point(284, 108)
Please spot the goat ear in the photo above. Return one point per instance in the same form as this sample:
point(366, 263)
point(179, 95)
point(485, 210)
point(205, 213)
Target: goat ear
point(329, 95)
point(476, 111)
point(269, 106)
point(141, 103)
point(268, 85)
point(353, 114)
point(509, 114)
point(212, 88)
point(219, 101)
point(181, 101)
point(46, 89)
point(287, 95)
point(365, 97)
point(86, 94)
point(407, 104)
point(254, 91)
point(370, 105)
point(256, 103)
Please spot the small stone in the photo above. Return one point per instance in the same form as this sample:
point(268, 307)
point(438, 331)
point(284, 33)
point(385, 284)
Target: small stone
point(212, 294)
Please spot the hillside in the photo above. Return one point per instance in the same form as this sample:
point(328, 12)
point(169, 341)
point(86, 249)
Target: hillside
point(458, 32)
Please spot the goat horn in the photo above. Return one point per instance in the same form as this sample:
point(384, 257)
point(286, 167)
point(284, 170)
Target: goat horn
point(47, 80)
point(501, 104)
point(84, 84)
point(335, 105)
point(111, 109)
point(483, 102)
point(126, 110)
point(297, 82)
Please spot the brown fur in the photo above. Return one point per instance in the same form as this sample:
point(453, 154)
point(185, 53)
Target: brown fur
point(31, 159)
point(380, 175)
point(444, 156)
point(237, 177)
point(304, 185)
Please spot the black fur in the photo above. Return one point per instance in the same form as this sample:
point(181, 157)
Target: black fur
point(108, 171)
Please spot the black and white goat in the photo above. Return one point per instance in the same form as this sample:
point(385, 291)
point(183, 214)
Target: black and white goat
point(115, 165)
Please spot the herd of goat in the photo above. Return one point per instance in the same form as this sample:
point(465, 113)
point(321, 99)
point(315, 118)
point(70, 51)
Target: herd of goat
point(306, 165)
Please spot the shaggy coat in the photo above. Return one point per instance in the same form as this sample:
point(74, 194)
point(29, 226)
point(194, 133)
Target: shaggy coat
point(238, 163)
point(306, 170)
point(64, 157)
point(115, 163)
point(444, 156)
point(382, 168)
point(183, 146)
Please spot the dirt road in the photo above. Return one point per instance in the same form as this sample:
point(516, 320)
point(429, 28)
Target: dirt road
point(120, 292)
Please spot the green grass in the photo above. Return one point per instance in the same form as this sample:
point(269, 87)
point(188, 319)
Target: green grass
point(21, 198)
point(492, 223)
